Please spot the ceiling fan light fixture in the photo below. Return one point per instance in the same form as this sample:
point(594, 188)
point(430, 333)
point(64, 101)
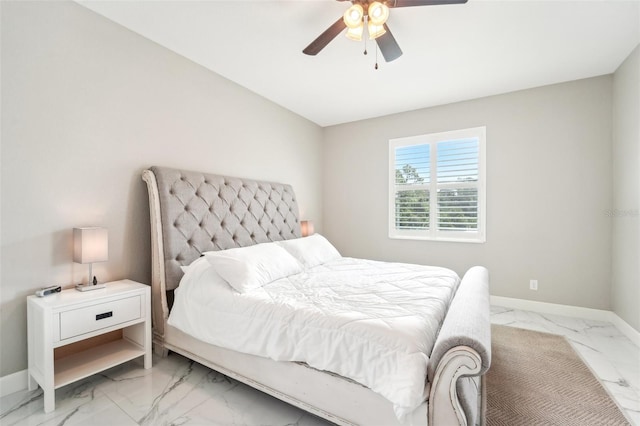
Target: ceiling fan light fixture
point(375, 31)
point(353, 16)
point(378, 13)
point(355, 33)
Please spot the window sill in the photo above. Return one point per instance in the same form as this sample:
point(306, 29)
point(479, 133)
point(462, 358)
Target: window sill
point(475, 240)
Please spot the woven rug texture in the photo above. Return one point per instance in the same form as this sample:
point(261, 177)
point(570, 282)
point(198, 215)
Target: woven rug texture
point(538, 379)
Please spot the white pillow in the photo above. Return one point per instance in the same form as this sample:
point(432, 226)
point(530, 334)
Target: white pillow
point(185, 268)
point(248, 268)
point(311, 251)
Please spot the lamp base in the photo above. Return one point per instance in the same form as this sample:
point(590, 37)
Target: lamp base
point(88, 287)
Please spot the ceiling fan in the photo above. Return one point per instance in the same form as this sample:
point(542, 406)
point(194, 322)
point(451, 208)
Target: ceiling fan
point(372, 14)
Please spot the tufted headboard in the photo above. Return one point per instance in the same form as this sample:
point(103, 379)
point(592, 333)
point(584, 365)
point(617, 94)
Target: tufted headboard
point(194, 212)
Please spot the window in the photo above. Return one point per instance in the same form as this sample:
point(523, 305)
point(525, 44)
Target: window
point(437, 186)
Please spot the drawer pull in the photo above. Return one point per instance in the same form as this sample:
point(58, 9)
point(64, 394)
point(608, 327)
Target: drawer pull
point(103, 316)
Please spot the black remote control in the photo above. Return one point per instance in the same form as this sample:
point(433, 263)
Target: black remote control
point(45, 291)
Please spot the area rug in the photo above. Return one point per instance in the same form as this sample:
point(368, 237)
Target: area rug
point(538, 379)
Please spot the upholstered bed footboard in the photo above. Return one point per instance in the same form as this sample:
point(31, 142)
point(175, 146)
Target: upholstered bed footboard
point(461, 354)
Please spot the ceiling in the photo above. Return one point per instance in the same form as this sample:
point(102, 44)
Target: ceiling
point(451, 52)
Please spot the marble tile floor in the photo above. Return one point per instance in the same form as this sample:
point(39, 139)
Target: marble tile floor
point(177, 391)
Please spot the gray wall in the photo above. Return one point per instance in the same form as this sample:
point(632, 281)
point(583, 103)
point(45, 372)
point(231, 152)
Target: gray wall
point(86, 106)
point(548, 189)
point(626, 190)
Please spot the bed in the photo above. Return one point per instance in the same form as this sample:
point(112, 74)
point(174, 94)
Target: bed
point(196, 215)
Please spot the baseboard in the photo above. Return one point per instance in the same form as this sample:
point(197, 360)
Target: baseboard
point(12, 383)
point(626, 329)
point(570, 311)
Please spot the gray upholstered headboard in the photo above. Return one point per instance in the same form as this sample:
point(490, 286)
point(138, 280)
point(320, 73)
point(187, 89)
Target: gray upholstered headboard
point(202, 212)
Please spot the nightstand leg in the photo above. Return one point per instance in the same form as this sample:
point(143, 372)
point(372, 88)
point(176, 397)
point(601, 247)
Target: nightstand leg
point(49, 400)
point(147, 346)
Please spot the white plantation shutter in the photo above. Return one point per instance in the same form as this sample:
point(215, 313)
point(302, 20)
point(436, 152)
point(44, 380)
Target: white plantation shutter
point(411, 214)
point(437, 186)
point(458, 209)
point(457, 163)
point(412, 179)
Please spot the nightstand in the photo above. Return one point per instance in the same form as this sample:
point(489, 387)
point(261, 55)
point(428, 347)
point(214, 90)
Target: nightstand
point(73, 334)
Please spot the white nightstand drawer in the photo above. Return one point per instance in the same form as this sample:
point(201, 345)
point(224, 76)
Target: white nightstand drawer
point(96, 317)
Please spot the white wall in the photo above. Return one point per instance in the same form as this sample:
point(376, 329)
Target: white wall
point(626, 191)
point(86, 106)
point(548, 190)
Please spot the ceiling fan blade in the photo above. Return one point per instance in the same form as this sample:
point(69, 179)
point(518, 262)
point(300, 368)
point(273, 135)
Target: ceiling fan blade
point(388, 46)
point(410, 3)
point(323, 39)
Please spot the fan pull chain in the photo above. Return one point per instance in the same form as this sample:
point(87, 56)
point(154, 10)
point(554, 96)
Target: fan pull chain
point(365, 37)
point(376, 67)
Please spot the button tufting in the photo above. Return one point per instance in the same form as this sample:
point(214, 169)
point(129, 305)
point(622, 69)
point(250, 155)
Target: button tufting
point(258, 212)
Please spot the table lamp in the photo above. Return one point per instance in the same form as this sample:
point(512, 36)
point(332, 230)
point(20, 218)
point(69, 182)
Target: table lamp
point(306, 228)
point(90, 245)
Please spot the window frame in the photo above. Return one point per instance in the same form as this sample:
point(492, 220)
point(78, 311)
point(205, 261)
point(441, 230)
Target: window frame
point(433, 233)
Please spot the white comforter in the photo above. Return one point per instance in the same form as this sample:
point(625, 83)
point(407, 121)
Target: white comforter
point(373, 322)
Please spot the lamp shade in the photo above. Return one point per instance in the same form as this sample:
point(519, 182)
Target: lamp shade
point(355, 33)
point(378, 13)
point(353, 16)
point(375, 31)
point(90, 245)
point(306, 228)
